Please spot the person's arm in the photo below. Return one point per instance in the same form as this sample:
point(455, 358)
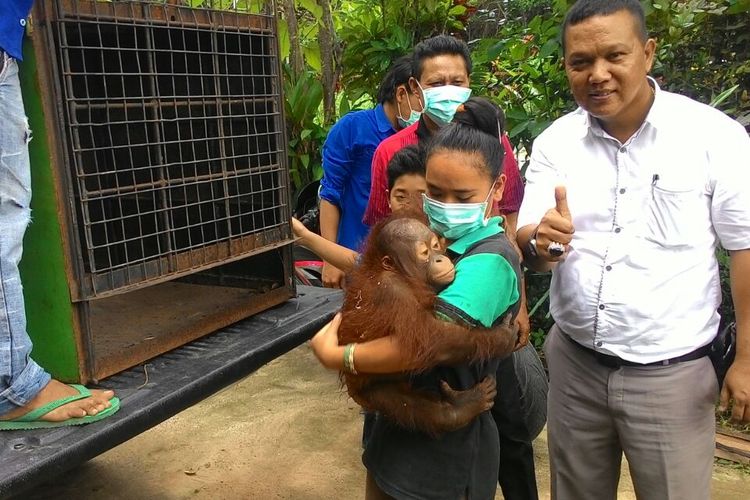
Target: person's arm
point(377, 356)
point(337, 168)
point(737, 381)
point(386, 355)
point(330, 216)
point(377, 204)
point(341, 257)
point(730, 218)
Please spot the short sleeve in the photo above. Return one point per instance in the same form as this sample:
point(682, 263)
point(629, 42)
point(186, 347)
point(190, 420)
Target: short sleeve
point(485, 287)
point(730, 175)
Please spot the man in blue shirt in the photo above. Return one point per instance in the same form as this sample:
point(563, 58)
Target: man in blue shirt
point(29, 397)
point(347, 158)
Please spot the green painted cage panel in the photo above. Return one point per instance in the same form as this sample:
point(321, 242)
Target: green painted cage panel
point(49, 311)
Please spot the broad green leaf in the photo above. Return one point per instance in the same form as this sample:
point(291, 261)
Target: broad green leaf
point(312, 56)
point(739, 7)
point(305, 160)
point(317, 172)
point(284, 43)
point(716, 101)
point(457, 10)
point(516, 114)
point(549, 47)
point(520, 127)
point(312, 6)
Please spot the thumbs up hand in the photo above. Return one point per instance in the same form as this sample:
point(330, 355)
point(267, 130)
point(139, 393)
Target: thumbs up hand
point(555, 226)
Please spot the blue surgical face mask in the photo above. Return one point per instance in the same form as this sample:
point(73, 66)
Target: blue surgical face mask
point(455, 220)
point(413, 115)
point(440, 103)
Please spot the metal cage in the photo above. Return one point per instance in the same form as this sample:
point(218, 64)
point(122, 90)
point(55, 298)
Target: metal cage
point(173, 171)
point(174, 138)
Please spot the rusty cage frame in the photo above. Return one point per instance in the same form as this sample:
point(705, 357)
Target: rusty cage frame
point(171, 153)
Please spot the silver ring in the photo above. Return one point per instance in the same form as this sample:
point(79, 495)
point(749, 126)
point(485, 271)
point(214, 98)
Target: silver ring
point(555, 249)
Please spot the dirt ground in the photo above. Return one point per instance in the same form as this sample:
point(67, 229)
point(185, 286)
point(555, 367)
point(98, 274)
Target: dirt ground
point(285, 432)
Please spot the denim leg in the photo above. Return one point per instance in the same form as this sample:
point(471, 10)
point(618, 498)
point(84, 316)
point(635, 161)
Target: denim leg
point(21, 378)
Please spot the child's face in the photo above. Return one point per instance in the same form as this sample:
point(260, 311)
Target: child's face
point(407, 193)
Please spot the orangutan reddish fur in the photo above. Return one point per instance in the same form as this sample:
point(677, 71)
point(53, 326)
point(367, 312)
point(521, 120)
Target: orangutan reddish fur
point(399, 302)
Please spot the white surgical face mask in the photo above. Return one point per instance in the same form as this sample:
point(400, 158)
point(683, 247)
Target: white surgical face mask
point(413, 115)
point(440, 103)
point(455, 220)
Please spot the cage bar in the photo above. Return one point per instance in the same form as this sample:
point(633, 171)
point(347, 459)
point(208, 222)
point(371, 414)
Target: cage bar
point(174, 137)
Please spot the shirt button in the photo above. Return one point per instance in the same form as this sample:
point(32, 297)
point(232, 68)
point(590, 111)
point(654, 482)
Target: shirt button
point(617, 229)
point(608, 268)
point(622, 190)
point(623, 149)
point(601, 307)
point(599, 344)
point(23, 22)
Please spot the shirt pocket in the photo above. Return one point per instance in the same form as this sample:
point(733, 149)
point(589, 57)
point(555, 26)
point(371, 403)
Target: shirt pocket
point(673, 215)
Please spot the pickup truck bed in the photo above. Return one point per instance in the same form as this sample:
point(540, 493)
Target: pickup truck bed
point(164, 386)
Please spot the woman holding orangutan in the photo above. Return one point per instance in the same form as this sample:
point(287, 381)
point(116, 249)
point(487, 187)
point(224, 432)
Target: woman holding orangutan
point(464, 180)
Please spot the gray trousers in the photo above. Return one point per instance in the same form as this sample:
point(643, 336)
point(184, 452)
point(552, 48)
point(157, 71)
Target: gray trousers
point(661, 417)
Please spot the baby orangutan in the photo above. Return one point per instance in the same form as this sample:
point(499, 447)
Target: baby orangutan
point(393, 293)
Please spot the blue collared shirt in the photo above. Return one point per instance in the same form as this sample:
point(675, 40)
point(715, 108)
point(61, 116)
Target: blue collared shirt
point(13, 14)
point(347, 158)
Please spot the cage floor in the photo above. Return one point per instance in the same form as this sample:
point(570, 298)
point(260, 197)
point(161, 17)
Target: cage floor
point(131, 328)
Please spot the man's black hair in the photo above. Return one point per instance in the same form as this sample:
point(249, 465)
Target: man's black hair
point(477, 128)
point(398, 74)
point(438, 46)
point(585, 9)
point(407, 161)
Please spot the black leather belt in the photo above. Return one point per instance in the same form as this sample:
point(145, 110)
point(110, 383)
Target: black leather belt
point(614, 362)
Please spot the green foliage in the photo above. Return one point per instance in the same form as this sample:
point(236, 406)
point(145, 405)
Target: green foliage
point(372, 34)
point(304, 95)
point(375, 33)
point(703, 51)
point(537, 300)
point(523, 72)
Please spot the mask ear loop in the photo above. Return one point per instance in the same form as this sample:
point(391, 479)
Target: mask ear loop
point(398, 106)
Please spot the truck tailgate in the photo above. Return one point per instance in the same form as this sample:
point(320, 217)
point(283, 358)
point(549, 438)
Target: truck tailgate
point(164, 386)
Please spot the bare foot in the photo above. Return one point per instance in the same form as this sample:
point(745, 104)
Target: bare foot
point(98, 401)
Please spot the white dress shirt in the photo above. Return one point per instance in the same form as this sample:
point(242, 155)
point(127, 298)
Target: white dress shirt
point(641, 279)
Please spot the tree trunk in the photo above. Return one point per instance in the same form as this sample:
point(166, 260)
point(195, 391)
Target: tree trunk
point(295, 51)
point(329, 57)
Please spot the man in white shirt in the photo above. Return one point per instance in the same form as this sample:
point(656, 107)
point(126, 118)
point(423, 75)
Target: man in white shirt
point(644, 184)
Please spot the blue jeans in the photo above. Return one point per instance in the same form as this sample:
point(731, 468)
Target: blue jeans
point(21, 378)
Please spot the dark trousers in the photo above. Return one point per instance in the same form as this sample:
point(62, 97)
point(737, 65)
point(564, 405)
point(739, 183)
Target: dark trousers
point(520, 414)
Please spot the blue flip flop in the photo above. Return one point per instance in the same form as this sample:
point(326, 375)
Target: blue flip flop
point(32, 419)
